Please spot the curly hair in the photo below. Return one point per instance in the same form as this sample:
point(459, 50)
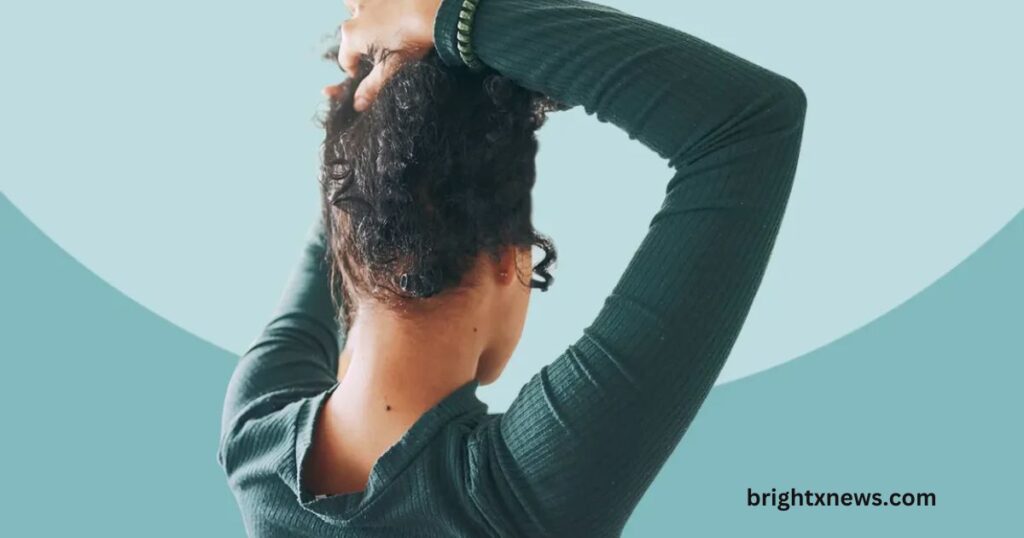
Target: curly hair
point(438, 169)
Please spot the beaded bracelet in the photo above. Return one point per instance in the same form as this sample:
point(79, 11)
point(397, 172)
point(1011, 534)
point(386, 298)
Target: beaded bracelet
point(463, 35)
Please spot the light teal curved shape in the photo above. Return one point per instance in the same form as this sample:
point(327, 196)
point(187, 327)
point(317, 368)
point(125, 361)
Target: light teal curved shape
point(170, 147)
point(111, 414)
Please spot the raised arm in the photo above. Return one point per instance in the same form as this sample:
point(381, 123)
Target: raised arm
point(587, 434)
point(296, 354)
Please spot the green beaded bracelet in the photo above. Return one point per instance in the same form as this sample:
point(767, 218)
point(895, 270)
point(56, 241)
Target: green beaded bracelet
point(465, 29)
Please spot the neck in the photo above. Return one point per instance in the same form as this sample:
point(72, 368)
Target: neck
point(404, 366)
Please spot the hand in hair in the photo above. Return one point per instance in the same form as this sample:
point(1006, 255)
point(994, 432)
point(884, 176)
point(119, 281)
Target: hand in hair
point(391, 32)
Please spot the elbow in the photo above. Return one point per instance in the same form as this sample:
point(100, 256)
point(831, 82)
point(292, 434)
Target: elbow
point(789, 103)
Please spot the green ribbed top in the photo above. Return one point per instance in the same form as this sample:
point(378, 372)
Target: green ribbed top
point(587, 434)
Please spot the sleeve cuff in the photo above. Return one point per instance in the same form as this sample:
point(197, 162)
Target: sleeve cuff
point(445, 30)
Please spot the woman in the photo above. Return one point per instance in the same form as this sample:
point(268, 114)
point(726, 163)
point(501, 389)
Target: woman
point(371, 426)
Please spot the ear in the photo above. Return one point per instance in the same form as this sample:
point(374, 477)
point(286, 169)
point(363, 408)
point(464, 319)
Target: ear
point(505, 267)
point(514, 259)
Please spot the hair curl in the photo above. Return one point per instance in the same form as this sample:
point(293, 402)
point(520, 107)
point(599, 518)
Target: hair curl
point(439, 169)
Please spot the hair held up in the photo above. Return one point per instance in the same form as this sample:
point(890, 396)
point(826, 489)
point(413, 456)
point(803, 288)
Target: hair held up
point(439, 169)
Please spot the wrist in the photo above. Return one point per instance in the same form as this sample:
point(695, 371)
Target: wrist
point(446, 30)
point(463, 34)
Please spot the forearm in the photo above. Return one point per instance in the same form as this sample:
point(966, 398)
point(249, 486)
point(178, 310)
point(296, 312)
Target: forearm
point(308, 294)
point(666, 88)
point(297, 351)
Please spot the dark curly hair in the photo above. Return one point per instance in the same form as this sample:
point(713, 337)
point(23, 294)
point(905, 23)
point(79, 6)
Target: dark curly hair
point(439, 169)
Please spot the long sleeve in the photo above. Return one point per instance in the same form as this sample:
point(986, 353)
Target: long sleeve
point(296, 354)
point(585, 437)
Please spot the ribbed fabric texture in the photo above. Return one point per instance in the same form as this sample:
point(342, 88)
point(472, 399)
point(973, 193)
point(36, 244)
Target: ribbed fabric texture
point(587, 434)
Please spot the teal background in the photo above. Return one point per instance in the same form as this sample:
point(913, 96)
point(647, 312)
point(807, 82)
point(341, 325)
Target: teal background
point(168, 145)
point(150, 151)
point(111, 415)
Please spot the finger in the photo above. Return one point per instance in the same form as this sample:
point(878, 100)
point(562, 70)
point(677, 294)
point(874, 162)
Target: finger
point(371, 85)
point(333, 91)
point(352, 47)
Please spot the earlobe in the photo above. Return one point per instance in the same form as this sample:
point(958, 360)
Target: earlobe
point(504, 276)
point(512, 263)
point(506, 265)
